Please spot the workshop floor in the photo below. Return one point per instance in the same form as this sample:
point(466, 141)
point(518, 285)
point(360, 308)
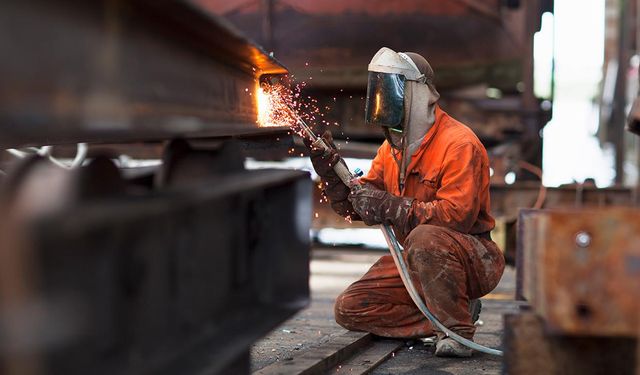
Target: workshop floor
point(332, 271)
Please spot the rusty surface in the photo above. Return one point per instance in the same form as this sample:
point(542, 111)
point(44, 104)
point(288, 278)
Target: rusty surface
point(529, 349)
point(526, 266)
point(115, 71)
point(582, 270)
point(507, 200)
point(337, 38)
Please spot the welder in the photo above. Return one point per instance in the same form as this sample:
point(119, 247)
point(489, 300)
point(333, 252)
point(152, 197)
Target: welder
point(430, 182)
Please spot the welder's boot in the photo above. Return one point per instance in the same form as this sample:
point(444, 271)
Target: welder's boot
point(448, 347)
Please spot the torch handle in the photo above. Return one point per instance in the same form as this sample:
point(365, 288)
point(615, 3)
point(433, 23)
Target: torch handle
point(340, 168)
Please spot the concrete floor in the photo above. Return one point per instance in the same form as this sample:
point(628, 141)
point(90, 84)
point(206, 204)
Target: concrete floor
point(332, 270)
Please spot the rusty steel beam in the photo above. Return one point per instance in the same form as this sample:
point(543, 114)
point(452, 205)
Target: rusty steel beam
point(530, 350)
point(113, 278)
point(582, 270)
point(334, 40)
point(124, 71)
point(508, 200)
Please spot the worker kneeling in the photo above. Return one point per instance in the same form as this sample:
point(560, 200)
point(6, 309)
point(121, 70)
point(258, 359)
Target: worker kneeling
point(430, 181)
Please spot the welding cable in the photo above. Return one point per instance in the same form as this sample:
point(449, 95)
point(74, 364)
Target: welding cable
point(44, 151)
point(82, 150)
point(17, 153)
point(396, 253)
point(81, 154)
point(542, 193)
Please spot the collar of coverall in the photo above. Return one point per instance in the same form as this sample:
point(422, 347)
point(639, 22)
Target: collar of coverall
point(431, 133)
point(433, 130)
point(412, 153)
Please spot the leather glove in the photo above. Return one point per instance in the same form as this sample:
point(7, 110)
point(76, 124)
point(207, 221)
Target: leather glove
point(376, 206)
point(323, 163)
point(334, 189)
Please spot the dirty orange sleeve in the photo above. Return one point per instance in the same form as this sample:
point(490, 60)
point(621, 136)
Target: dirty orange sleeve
point(375, 176)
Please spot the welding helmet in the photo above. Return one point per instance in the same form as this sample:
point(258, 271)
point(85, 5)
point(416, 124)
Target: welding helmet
point(389, 72)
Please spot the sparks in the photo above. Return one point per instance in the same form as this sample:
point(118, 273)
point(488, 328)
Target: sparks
point(278, 105)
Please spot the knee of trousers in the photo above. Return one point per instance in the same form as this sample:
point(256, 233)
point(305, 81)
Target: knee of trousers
point(429, 242)
point(344, 310)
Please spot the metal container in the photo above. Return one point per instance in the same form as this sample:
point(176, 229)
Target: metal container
point(582, 269)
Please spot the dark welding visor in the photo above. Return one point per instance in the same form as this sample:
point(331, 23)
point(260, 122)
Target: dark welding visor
point(385, 100)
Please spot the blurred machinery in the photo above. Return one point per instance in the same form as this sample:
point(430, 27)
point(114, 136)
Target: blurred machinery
point(173, 260)
point(579, 269)
point(481, 51)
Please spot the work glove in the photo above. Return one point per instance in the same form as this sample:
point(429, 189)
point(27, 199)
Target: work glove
point(376, 206)
point(323, 164)
point(334, 189)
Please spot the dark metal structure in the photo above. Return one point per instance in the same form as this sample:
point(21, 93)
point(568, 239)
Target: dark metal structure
point(175, 268)
point(116, 71)
point(472, 45)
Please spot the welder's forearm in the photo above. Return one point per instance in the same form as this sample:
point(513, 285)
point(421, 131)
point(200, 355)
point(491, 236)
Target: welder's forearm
point(441, 213)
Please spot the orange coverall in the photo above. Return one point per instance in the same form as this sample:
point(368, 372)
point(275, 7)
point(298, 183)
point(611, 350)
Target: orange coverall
point(447, 245)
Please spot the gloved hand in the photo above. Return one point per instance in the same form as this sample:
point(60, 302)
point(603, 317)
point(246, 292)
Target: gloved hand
point(376, 206)
point(335, 190)
point(323, 163)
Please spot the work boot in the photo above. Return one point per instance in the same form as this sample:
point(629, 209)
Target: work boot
point(475, 307)
point(448, 347)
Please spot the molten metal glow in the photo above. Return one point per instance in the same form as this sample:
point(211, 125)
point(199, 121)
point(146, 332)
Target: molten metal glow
point(264, 108)
point(275, 106)
point(280, 105)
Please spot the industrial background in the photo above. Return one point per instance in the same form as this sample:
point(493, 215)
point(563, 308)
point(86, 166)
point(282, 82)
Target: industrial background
point(152, 222)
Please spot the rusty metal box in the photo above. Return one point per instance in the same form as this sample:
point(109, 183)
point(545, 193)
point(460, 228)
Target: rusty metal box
point(580, 269)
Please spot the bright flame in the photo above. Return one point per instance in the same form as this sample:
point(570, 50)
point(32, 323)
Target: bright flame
point(275, 106)
point(282, 106)
point(264, 108)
